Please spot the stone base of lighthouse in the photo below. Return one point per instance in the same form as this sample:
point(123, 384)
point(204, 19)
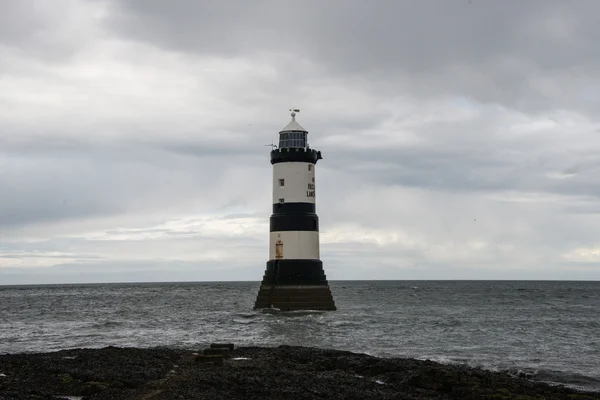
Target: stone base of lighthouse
point(295, 285)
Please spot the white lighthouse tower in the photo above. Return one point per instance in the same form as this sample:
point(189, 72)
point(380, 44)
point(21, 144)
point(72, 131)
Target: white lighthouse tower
point(294, 278)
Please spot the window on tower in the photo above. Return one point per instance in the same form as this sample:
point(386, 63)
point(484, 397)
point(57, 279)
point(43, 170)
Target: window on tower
point(281, 201)
point(281, 182)
point(310, 167)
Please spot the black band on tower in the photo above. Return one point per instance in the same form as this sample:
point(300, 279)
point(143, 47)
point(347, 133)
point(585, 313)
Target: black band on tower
point(294, 222)
point(295, 154)
point(294, 208)
point(295, 272)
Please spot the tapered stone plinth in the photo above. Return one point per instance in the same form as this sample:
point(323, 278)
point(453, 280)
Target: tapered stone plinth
point(295, 285)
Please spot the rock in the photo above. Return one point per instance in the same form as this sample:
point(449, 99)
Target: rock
point(210, 358)
point(223, 352)
point(90, 388)
point(285, 372)
point(229, 346)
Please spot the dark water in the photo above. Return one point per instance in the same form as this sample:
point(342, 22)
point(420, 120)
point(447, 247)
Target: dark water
point(548, 329)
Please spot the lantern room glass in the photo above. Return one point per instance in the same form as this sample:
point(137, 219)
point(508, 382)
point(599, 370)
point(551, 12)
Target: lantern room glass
point(292, 140)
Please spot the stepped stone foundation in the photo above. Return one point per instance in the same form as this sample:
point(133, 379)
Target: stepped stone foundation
point(295, 285)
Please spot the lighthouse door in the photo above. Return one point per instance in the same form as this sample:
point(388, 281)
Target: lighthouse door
point(279, 250)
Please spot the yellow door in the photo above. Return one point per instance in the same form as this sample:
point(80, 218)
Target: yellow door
point(279, 250)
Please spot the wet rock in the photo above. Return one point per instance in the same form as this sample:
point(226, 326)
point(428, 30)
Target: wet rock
point(223, 352)
point(90, 388)
point(284, 372)
point(229, 346)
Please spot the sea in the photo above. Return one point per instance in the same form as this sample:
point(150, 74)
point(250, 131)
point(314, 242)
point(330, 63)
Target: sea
point(548, 330)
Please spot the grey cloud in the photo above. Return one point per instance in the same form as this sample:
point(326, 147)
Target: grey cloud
point(449, 161)
point(47, 190)
point(469, 170)
point(51, 32)
point(359, 36)
point(19, 23)
point(535, 55)
point(34, 255)
point(137, 149)
point(127, 271)
point(42, 184)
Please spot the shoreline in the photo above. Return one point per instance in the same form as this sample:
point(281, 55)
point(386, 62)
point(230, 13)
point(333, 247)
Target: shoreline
point(288, 372)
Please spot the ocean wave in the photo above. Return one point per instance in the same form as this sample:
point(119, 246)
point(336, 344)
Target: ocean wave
point(570, 379)
point(107, 324)
point(291, 314)
point(244, 321)
point(247, 315)
point(553, 377)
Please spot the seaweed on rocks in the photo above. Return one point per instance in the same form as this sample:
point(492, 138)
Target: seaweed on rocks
point(284, 372)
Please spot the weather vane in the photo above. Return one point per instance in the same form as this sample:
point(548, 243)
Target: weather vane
point(294, 111)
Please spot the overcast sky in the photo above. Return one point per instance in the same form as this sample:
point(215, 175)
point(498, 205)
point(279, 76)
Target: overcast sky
point(460, 138)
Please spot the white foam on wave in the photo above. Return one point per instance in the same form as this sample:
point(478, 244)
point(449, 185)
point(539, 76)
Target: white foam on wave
point(438, 359)
point(556, 378)
point(244, 321)
point(2, 375)
point(247, 315)
point(292, 313)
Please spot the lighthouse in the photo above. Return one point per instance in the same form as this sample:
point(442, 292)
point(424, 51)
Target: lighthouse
point(294, 278)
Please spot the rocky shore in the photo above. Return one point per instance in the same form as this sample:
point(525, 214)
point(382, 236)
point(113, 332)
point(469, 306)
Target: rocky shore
point(283, 372)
